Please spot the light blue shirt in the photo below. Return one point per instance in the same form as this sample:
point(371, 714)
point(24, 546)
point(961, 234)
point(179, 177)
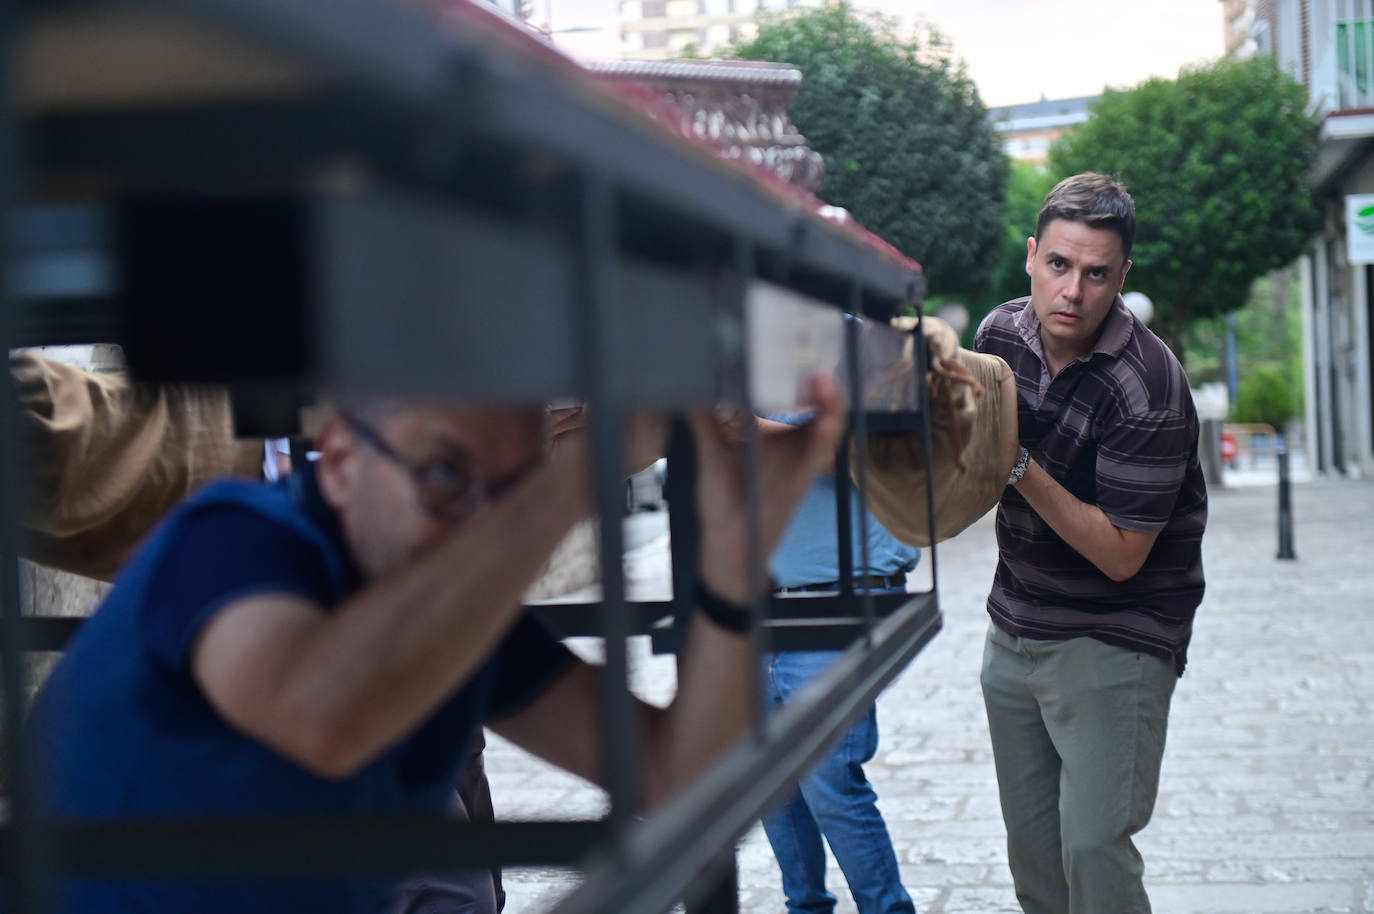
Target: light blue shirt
point(809, 552)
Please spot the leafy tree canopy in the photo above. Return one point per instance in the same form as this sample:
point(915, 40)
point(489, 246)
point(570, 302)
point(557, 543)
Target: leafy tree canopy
point(1026, 191)
point(1218, 163)
point(1265, 396)
point(906, 140)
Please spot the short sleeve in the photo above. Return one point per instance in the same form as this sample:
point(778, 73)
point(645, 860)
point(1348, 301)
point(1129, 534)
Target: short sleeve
point(528, 661)
point(222, 553)
point(1142, 462)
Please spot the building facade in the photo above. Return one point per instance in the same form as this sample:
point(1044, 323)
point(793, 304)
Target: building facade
point(1329, 46)
point(1030, 129)
point(655, 29)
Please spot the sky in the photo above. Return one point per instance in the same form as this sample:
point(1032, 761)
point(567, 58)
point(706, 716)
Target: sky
point(1016, 50)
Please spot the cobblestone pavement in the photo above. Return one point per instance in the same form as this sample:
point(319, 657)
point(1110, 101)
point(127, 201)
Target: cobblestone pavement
point(1267, 797)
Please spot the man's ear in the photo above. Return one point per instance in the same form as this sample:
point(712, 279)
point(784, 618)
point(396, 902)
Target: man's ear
point(1030, 254)
point(1124, 270)
point(336, 470)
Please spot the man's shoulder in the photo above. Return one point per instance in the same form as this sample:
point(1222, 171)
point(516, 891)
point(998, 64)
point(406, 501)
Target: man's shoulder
point(231, 502)
point(999, 326)
point(1150, 374)
point(234, 530)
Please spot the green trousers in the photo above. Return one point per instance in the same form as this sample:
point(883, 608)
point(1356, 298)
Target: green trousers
point(1077, 732)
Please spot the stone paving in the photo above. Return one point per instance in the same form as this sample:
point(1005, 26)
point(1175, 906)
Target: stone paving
point(1267, 796)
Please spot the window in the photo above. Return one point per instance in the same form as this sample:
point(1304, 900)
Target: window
point(1353, 53)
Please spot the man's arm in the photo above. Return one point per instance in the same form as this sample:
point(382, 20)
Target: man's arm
point(331, 691)
point(1117, 553)
point(714, 704)
point(711, 709)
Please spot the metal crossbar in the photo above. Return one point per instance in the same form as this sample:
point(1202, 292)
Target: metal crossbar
point(668, 851)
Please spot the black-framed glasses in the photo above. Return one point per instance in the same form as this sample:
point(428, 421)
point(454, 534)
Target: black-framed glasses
point(449, 488)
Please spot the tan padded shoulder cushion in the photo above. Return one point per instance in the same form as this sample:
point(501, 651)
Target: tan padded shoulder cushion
point(974, 444)
point(102, 460)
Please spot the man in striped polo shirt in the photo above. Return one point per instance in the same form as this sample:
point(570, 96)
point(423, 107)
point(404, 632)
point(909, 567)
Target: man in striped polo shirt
point(1100, 563)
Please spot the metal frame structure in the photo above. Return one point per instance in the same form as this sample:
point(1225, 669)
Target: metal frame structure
point(352, 154)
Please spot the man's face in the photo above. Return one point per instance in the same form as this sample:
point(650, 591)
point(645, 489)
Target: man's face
point(381, 503)
point(1076, 272)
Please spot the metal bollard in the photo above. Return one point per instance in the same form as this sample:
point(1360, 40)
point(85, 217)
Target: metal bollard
point(1285, 505)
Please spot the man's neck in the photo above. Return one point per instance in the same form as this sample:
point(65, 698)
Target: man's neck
point(1056, 359)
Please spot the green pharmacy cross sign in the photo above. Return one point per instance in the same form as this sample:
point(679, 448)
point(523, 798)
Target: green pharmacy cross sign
point(1359, 228)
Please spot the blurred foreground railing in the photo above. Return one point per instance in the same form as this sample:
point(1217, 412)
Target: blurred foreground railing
point(335, 194)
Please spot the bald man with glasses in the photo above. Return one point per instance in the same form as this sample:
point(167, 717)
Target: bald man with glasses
point(332, 644)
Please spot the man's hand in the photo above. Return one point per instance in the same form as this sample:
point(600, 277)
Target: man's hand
point(717, 666)
point(645, 437)
point(789, 460)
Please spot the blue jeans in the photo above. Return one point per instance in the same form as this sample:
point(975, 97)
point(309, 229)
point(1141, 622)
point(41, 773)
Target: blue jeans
point(837, 801)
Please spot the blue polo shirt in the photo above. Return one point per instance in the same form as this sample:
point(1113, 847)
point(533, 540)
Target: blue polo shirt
point(809, 551)
point(121, 730)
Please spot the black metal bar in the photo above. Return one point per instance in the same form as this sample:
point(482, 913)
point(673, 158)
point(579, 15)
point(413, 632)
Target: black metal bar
point(1285, 505)
point(667, 853)
point(583, 620)
point(448, 81)
point(218, 146)
point(735, 373)
point(810, 623)
point(67, 321)
point(735, 368)
point(28, 857)
point(853, 326)
point(596, 293)
point(568, 620)
point(683, 529)
point(844, 516)
point(43, 633)
point(722, 896)
point(922, 356)
point(340, 847)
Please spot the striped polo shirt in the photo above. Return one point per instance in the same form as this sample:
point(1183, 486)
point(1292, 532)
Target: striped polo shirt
point(1117, 428)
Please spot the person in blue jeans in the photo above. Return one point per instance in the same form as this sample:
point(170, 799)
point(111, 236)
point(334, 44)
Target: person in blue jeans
point(836, 800)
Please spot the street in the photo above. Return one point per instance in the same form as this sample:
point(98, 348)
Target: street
point(1267, 795)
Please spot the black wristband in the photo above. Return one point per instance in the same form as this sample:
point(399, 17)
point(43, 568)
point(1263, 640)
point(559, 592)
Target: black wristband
point(721, 611)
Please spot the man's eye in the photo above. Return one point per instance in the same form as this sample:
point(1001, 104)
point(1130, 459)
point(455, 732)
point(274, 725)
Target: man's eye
point(447, 475)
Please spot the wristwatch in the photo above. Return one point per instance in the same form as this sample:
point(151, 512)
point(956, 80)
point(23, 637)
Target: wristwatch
point(1020, 469)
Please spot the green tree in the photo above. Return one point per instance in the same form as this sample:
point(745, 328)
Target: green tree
point(905, 137)
point(1025, 192)
point(1218, 163)
point(1266, 396)
point(1267, 331)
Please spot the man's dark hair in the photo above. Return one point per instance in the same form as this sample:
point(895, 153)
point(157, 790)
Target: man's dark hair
point(1094, 200)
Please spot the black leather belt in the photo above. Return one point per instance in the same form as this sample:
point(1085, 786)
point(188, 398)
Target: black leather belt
point(861, 582)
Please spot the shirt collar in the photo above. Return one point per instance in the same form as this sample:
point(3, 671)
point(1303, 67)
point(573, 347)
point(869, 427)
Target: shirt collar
point(1117, 329)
